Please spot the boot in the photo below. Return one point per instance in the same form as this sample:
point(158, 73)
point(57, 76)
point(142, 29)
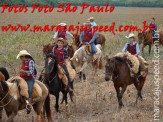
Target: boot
point(29, 106)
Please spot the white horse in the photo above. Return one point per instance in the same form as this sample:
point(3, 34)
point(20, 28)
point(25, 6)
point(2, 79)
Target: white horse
point(82, 57)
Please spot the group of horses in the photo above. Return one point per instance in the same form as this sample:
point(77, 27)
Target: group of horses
point(116, 69)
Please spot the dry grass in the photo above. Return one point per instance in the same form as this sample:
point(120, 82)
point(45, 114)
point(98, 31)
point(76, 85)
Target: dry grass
point(95, 99)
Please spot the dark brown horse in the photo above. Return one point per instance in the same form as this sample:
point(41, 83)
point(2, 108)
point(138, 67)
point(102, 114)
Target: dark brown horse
point(147, 38)
point(101, 40)
point(4, 75)
point(48, 49)
point(117, 68)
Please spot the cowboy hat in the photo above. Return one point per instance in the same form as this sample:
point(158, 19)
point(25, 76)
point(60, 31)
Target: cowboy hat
point(130, 35)
point(22, 53)
point(91, 18)
point(61, 39)
point(87, 23)
point(62, 24)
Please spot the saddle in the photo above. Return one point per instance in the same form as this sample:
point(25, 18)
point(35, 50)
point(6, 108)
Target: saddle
point(23, 87)
point(89, 49)
point(133, 63)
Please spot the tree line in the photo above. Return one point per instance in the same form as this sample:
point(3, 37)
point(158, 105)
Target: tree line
point(127, 3)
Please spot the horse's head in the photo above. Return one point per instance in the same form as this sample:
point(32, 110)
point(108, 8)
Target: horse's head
point(109, 68)
point(50, 64)
point(47, 48)
point(76, 40)
point(140, 37)
point(3, 89)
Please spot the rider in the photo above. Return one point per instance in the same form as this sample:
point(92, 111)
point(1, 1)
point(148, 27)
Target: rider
point(88, 37)
point(93, 23)
point(63, 33)
point(62, 56)
point(28, 73)
point(153, 25)
point(132, 47)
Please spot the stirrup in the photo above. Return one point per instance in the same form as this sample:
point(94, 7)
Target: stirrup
point(29, 106)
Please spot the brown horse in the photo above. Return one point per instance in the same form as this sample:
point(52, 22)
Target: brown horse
point(12, 103)
point(4, 75)
point(48, 49)
point(118, 69)
point(147, 38)
point(101, 40)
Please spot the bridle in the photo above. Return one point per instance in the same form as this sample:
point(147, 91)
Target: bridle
point(113, 69)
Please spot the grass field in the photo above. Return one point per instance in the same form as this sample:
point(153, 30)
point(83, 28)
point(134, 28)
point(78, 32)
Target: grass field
point(95, 99)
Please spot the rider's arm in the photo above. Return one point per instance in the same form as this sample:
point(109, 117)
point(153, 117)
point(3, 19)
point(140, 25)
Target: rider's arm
point(125, 48)
point(137, 50)
point(93, 38)
point(65, 56)
point(69, 34)
point(55, 35)
point(81, 37)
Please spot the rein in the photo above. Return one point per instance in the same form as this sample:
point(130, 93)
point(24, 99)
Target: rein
point(6, 96)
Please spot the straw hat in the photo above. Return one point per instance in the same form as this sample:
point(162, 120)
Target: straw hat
point(22, 53)
point(61, 39)
point(62, 24)
point(130, 35)
point(91, 18)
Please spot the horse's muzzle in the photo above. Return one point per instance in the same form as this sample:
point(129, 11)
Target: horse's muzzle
point(107, 79)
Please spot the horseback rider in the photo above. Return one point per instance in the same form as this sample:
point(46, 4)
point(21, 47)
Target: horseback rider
point(62, 57)
point(132, 47)
point(153, 26)
point(63, 33)
point(93, 23)
point(87, 36)
point(28, 72)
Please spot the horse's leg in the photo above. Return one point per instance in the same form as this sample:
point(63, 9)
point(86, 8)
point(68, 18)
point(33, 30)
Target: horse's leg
point(149, 49)
point(143, 48)
point(118, 94)
point(38, 118)
point(137, 86)
point(80, 76)
point(11, 116)
point(121, 95)
point(84, 77)
point(56, 104)
point(1, 109)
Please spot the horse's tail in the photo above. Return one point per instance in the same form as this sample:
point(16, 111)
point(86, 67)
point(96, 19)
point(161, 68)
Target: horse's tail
point(100, 63)
point(47, 108)
point(5, 73)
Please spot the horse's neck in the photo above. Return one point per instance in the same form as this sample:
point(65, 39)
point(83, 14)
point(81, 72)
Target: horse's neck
point(13, 89)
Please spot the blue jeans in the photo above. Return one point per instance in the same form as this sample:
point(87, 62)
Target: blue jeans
point(30, 83)
point(93, 48)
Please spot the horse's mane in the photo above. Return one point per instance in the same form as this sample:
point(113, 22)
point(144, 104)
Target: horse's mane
point(5, 72)
point(55, 69)
point(120, 59)
point(5, 86)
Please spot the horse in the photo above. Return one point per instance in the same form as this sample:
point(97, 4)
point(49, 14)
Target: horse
point(100, 40)
point(147, 38)
point(53, 81)
point(4, 75)
point(11, 101)
point(117, 68)
point(82, 58)
point(49, 47)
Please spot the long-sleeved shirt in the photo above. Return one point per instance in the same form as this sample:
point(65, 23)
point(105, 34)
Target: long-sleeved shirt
point(92, 40)
point(93, 24)
point(67, 34)
point(137, 47)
